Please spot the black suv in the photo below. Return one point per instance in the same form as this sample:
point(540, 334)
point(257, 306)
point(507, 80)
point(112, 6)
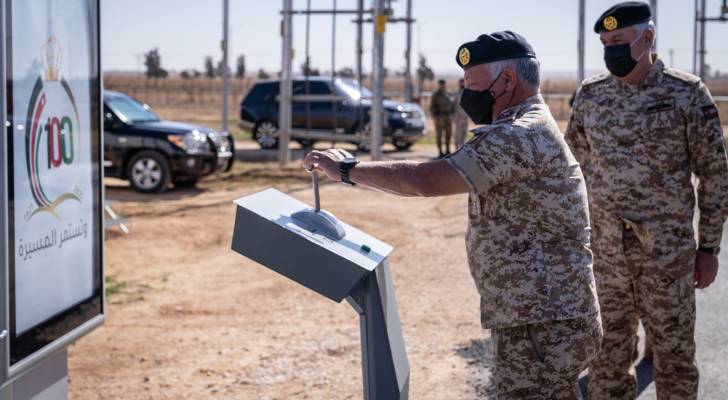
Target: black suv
point(151, 153)
point(320, 104)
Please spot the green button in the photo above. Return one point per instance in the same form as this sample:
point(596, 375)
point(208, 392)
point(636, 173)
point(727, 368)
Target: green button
point(365, 248)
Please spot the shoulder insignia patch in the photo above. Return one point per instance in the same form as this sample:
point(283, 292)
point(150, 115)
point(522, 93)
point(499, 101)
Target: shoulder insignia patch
point(710, 112)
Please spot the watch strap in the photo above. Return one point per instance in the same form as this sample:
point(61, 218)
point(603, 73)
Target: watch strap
point(713, 251)
point(344, 168)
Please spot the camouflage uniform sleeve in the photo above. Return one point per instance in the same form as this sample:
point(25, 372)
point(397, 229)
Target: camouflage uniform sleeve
point(575, 136)
point(434, 103)
point(709, 163)
point(503, 154)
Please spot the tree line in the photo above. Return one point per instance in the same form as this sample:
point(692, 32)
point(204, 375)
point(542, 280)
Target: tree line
point(154, 69)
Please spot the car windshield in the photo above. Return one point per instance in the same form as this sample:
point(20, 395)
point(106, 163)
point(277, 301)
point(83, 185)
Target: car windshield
point(130, 110)
point(352, 89)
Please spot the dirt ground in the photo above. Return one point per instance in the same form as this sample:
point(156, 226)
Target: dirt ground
point(189, 318)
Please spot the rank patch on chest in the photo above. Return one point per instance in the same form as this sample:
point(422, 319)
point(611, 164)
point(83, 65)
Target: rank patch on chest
point(710, 112)
point(659, 105)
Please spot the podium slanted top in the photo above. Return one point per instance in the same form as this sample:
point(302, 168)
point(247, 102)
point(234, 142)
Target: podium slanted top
point(266, 233)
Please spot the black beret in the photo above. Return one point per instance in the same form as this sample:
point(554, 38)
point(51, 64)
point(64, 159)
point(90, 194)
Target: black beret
point(623, 15)
point(494, 47)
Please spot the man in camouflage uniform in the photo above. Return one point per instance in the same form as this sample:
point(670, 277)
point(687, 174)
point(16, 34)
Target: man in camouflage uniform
point(528, 220)
point(638, 134)
point(460, 116)
point(441, 108)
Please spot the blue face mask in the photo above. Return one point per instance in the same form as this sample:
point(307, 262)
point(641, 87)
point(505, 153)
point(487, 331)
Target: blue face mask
point(618, 58)
point(479, 104)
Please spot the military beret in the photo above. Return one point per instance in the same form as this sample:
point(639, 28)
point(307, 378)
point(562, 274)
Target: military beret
point(496, 46)
point(623, 15)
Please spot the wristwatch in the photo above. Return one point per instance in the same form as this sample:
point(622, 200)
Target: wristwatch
point(713, 251)
point(344, 168)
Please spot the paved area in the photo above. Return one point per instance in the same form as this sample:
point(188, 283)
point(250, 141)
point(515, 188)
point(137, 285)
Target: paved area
point(712, 329)
point(710, 335)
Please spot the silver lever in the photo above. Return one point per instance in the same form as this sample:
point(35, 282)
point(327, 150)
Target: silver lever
point(317, 199)
point(317, 220)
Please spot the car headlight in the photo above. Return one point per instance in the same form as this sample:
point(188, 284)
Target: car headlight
point(194, 142)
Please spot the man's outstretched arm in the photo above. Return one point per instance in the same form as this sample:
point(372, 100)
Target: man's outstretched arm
point(402, 178)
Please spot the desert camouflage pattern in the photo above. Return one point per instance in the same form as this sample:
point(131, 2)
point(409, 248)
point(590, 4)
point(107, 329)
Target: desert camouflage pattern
point(528, 227)
point(441, 108)
point(667, 308)
point(441, 103)
point(543, 360)
point(638, 146)
point(461, 120)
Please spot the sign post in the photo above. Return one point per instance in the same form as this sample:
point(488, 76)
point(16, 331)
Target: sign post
point(52, 195)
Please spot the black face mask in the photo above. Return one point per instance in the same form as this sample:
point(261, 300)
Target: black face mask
point(618, 59)
point(479, 104)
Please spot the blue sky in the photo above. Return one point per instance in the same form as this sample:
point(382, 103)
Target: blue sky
point(185, 31)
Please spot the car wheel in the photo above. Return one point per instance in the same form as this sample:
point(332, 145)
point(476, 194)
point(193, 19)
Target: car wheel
point(266, 134)
point(148, 172)
point(365, 138)
point(231, 161)
point(401, 145)
point(306, 143)
point(187, 183)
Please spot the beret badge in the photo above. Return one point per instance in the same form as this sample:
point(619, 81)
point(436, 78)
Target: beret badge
point(610, 23)
point(464, 56)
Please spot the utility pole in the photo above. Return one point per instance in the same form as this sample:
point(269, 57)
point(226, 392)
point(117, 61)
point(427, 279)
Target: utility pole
point(703, 19)
point(653, 8)
point(408, 56)
point(702, 39)
point(359, 39)
point(284, 99)
point(695, 40)
point(377, 120)
point(225, 72)
point(580, 45)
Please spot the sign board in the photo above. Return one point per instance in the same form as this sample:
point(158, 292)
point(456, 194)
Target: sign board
point(352, 267)
point(54, 176)
point(329, 267)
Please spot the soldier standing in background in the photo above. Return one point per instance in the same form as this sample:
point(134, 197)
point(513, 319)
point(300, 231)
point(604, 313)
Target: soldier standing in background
point(441, 108)
point(639, 133)
point(461, 117)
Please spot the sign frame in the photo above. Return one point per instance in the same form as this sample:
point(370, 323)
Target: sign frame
point(8, 371)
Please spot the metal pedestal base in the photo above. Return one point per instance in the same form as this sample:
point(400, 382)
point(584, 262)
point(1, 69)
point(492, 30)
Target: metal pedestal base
point(46, 381)
point(384, 360)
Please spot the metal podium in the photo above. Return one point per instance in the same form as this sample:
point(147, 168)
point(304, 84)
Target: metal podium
point(269, 230)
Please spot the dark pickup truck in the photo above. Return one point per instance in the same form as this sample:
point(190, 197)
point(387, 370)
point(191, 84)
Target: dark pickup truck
point(322, 104)
point(150, 153)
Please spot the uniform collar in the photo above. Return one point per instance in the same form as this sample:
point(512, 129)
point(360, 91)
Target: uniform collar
point(511, 113)
point(653, 77)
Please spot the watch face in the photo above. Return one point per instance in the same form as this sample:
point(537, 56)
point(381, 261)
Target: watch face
point(349, 162)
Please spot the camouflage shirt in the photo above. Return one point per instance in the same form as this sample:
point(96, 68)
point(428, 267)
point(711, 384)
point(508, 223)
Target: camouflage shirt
point(528, 225)
point(638, 145)
point(460, 114)
point(441, 104)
